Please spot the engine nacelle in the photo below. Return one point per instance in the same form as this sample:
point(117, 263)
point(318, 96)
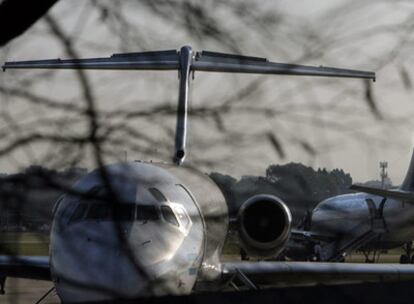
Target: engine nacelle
point(264, 224)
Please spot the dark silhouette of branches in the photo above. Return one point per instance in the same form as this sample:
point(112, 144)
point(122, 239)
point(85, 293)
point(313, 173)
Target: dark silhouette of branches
point(238, 112)
point(371, 101)
point(84, 85)
point(56, 119)
point(196, 20)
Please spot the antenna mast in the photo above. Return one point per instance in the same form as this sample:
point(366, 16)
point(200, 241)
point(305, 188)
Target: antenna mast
point(383, 174)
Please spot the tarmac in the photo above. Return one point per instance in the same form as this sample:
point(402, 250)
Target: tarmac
point(30, 291)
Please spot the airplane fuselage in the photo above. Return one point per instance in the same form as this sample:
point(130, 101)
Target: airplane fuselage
point(350, 214)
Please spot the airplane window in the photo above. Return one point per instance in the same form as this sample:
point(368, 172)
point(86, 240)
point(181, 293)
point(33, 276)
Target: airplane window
point(182, 216)
point(145, 213)
point(124, 212)
point(98, 212)
point(158, 195)
point(169, 216)
point(79, 213)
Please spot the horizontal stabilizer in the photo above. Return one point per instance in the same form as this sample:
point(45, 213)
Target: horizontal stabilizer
point(202, 61)
point(163, 60)
point(218, 62)
point(396, 194)
point(186, 61)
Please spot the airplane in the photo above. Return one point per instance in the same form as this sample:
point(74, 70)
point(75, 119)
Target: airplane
point(135, 229)
point(370, 221)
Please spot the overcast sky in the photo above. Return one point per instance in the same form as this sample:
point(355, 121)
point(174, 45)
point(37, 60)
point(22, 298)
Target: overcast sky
point(353, 34)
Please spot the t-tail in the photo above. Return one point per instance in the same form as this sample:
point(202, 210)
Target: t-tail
point(186, 61)
point(408, 183)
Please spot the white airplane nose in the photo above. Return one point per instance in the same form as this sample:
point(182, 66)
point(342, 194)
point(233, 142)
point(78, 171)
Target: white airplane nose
point(146, 243)
point(90, 262)
point(98, 265)
point(95, 259)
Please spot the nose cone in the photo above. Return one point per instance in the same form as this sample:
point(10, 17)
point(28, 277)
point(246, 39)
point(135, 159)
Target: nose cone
point(90, 262)
point(130, 249)
point(98, 261)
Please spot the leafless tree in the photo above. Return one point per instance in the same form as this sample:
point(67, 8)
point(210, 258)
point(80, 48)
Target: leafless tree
point(286, 104)
point(65, 119)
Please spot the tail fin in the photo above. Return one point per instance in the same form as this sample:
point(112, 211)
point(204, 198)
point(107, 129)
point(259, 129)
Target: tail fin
point(186, 61)
point(408, 183)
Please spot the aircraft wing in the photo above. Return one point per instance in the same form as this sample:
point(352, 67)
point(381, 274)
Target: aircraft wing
point(201, 61)
point(28, 267)
point(300, 273)
point(396, 194)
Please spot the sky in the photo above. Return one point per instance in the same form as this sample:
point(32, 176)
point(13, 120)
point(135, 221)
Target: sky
point(331, 115)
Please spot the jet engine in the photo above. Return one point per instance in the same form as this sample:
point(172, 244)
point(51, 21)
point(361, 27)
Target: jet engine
point(264, 224)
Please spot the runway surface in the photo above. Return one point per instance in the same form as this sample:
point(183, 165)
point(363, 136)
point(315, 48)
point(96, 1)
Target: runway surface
point(29, 291)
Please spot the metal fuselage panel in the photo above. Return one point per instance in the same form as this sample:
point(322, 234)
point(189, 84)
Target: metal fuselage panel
point(341, 215)
point(96, 259)
point(214, 209)
point(399, 220)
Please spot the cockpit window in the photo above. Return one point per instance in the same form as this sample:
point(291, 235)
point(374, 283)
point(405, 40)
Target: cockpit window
point(158, 195)
point(124, 212)
point(119, 212)
point(182, 216)
point(169, 216)
point(98, 212)
point(147, 212)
